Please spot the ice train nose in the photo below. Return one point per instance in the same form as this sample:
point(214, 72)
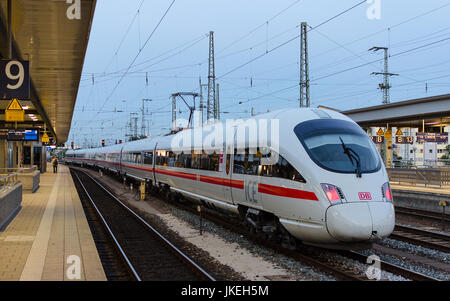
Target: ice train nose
point(352, 222)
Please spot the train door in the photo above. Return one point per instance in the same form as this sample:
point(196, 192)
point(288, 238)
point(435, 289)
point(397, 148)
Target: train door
point(120, 161)
point(154, 165)
point(245, 179)
point(227, 172)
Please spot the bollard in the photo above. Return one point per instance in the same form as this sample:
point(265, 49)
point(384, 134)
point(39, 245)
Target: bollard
point(199, 209)
point(101, 173)
point(142, 189)
point(443, 204)
point(131, 186)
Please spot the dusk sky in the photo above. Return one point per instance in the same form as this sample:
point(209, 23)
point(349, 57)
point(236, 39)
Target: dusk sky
point(176, 55)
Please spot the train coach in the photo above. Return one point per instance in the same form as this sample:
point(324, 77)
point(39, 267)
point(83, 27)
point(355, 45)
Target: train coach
point(317, 178)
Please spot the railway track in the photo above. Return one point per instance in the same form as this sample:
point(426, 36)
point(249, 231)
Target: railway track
point(423, 238)
point(147, 254)
point(115, 269)
point(392, 268)
point(423, 214)
point(339, 272)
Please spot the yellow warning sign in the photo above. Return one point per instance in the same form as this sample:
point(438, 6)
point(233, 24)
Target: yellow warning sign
point(14, 111)
point(399, 133)
point(45, 138)
point(380, 132)
point(14, 105)
point(142, 190)
point(388, 133)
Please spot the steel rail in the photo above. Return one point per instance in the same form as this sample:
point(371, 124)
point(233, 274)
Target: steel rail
point(423, 238)
point(111, 234)
point(199, 270)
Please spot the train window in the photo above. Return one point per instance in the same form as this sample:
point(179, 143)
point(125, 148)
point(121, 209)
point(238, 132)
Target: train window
point(187, 160)
point(204, 163)
point(148, 158)
point(195, 163)
point(247, 163)
point(161, 158)
point(282, 169)
point(254, 160)
point(214, 160)
point(239, 162)
point(170, 159)
point(179, 160)
point(137, 158)
point(228, 163)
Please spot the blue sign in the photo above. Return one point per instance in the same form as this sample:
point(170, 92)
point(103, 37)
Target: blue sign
point(31, 135)
point(14, 79)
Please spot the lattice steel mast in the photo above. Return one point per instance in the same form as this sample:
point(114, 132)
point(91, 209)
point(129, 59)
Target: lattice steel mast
point(304, 67)
point(211, 111)
point(385, 86)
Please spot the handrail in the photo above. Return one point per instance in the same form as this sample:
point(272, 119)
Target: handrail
point(428, 176)
point(18, 169)
point(8, 181)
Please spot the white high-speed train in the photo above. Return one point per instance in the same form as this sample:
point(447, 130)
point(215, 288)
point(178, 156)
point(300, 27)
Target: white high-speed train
point(325, 184)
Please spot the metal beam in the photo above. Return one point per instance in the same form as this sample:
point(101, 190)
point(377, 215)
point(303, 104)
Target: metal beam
point(406, 111)
point(35, 100)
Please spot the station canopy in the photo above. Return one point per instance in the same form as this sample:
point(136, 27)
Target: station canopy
point(55, 45)
point(429, 112)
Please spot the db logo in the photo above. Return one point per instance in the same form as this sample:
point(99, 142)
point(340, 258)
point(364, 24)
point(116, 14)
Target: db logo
point(364, 196)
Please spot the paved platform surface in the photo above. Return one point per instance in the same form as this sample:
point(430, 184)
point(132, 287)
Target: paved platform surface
point(50, 238)
point(412, 188)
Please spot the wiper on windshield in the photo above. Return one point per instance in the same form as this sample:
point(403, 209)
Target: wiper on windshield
point(352, 155)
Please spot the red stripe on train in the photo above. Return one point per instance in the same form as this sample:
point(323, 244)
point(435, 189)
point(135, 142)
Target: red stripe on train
point(287, 192)
point(222, 181)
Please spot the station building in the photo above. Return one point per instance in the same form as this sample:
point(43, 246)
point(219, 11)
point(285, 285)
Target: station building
point(410, 133)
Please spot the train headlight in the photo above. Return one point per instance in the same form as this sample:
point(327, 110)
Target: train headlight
point(386, 192)
point(333, 193)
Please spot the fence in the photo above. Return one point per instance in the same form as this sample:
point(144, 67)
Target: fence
point(18, 170)
point(420, 176)
point(8, 181)
point(421, 163)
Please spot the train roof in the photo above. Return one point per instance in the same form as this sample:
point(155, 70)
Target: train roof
point(288, 118)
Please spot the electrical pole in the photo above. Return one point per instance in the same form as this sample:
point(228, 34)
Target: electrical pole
point(135, 127)
point(217, 104)
point(385, 86)
point(143, 116)
point(210, 113)
point(202, 105)
point(174, 111)
point(304, 67)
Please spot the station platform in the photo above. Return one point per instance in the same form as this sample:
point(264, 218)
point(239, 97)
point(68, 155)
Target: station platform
point(420, 197)
point(412, 188)
point(50, 238)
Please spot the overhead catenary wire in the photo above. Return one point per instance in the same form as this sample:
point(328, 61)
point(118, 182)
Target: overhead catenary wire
point(289, 41)
point(137, 55)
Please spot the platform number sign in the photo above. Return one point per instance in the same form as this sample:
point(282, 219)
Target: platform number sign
point(14, 79)
point(377, 139)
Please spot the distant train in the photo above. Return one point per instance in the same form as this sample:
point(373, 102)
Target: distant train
point(324, 184)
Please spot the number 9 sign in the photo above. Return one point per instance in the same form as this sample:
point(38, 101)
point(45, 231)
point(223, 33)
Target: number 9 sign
point(14, 79)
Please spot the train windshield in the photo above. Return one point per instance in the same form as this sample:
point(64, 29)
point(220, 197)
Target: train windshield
point(338, 145)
